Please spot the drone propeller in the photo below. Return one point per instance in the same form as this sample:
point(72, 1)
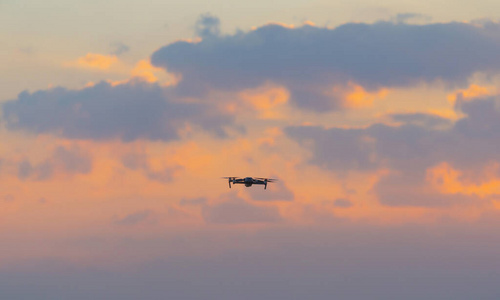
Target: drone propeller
point(267, 179)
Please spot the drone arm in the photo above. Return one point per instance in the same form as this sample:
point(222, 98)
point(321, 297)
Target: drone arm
point(229, 181)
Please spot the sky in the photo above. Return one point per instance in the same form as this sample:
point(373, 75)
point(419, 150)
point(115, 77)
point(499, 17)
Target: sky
point(380, 120)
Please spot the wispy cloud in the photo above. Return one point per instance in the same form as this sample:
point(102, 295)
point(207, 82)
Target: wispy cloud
point(95, 61)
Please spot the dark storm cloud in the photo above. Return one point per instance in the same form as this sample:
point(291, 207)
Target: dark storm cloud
point(410, 149)
point(131, 111)
point(238, 211)
point(309, 59)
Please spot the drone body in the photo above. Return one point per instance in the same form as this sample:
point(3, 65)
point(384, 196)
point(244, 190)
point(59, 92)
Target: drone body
point(249, 181)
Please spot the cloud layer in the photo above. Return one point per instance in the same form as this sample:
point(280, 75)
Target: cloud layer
point(409, 149)
point(310, 60)
point(130, 111)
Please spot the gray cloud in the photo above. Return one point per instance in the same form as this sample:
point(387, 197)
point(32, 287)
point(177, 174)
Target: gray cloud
point(469, 144)
point(207, 26)
point(410, 189)
point(24, 170)
point(406, 17)
point(308, 59)
point(135, 218)
point(235, 210)
point(342, 202)
point(136, 110)
point(193, 201)
point(136, 161)
point(119, 48)
point(70, 161)
point(419, 142)
point(422, 120)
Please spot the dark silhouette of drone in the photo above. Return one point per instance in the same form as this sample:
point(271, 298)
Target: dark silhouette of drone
point(249, 181)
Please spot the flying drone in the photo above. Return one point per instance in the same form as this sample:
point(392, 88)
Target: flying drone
point(249, 181)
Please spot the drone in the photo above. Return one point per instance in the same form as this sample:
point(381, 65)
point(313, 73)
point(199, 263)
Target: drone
point(249, 181)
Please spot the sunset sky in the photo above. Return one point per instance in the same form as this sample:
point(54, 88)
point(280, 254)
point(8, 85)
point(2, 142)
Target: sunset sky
point(380, 120)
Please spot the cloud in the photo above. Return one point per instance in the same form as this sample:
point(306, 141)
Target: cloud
point(146, 72)
point(411, 189)
point(135, 161)
point(342, 202)
point(24, 170)
point(407, 17)
point(96, 61)
point(421, 140)
point(235, 210)
point(72, 160)
point(135, 218)
point(67, 160)
point(421, 120)
point(420, 143)
point(483, 121)
point(470, 93)
point(131, 111)
point(207, 26)
point(310, 60)
point(119, 48)
point(193, 201)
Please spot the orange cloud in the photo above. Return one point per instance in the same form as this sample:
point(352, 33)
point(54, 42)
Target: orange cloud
point(270, 136)
point(266, 100)
point(355, 96)
point(473, 91)
point(145, 70)
point(97, 61)
point(448, 180)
